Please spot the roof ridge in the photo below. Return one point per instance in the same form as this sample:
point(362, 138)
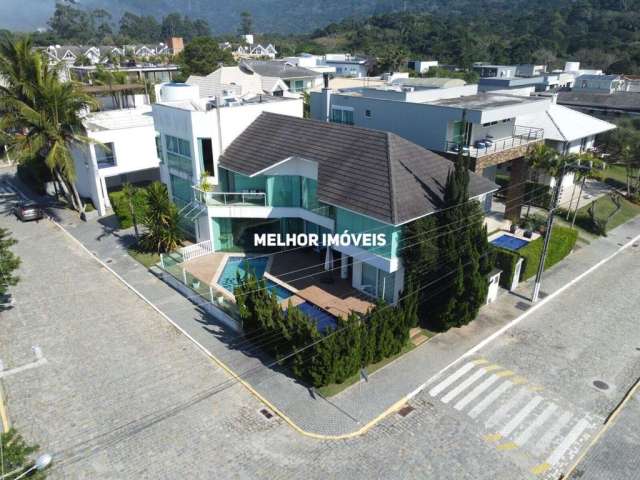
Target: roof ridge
point(548, 114)
point(392, 189)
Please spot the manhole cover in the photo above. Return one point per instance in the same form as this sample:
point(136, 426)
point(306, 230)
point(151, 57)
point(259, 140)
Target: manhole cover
point(522, 306)
point(620, 244)
point(266, 413)
point(108, 260)
point(636, 245)
point(406, 410)
point(600, 385)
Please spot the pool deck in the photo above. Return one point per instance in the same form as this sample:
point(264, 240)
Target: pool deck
point(205, 268)
point(299, 271)
point(324, 289)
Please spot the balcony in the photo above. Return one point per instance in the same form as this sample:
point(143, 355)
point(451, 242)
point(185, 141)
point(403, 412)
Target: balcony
point(522, 136)
point(221, 199)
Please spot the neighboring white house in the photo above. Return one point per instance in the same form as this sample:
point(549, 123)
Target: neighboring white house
point(567, 131)
point(238, 81)
point(347, 65)
point(599, 83)
point(125, 151)
point(192, 134)
point(421, 66)
point(298, 79)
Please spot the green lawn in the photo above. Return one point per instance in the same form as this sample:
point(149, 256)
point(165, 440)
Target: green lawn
point(145, 258)
point(604, 207)
point(617, 174)
point(335, 388)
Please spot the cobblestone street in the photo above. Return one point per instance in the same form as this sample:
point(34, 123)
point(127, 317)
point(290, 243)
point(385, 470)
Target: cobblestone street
point(121, 394)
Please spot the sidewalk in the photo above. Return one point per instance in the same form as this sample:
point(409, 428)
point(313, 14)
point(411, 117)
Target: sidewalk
point(355, 408)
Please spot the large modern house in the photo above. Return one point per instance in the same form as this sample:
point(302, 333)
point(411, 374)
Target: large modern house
point(494, 128)
point(285, 174)
point(193, 132)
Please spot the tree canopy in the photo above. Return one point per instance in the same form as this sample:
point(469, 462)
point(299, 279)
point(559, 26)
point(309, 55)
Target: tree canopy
point(202, 56)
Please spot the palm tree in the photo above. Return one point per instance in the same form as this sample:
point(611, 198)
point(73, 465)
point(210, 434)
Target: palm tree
point(43, 116)
point(130, 193)
point(162, 221)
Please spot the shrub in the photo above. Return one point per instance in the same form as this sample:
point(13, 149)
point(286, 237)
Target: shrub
point(121, 209)
point(382, 333)
point(506, 261)
point(560, 245)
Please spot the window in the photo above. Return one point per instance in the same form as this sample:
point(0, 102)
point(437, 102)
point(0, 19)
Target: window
point(367, 113)
point(159, 148)
point(179, 154)
point(297, 86)
point(342, 115)
point(181, 191)
point(206, 156)
point(105, 155)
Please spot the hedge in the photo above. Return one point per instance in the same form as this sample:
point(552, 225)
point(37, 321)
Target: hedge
point(121, 207)
point(322, 358)
point(506, 261)
point(562, 241)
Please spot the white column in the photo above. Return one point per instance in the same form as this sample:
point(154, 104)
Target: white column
point(344, 266)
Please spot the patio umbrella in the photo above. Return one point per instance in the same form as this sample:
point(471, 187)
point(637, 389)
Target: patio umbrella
point(328, 259)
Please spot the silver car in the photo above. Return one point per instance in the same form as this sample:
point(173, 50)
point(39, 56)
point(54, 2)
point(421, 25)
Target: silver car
point(28, 211)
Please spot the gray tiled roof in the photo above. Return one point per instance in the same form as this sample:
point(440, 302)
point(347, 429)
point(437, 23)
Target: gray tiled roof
point(371, 172)
point(279, 68)
point(617, 100)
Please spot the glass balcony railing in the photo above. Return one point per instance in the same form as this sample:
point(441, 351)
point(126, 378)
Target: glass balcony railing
point(486, 146)
point(217, 199)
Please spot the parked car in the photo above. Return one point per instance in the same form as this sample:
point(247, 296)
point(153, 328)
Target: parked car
point(27, 211)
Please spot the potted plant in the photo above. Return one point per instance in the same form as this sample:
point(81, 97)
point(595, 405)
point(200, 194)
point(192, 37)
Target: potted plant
point(513, 228)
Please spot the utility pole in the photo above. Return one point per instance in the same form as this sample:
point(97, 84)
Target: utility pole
point(547, 236)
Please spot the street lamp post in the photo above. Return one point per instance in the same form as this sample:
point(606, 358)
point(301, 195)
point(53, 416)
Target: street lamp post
point(42, 462)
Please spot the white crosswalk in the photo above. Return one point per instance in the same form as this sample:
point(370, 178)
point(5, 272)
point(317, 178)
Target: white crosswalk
point(514, 415)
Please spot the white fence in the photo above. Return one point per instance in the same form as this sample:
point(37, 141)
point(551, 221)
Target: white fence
point(197, 250)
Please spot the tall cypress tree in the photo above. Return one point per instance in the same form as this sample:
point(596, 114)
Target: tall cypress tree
point(463, 253)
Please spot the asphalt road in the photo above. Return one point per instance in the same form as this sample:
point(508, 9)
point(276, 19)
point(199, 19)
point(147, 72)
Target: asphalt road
point(120, 394)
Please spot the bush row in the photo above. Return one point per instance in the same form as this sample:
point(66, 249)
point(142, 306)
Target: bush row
point(121, 208)
point(562, 241)
point(506, 261)
point(333, 355)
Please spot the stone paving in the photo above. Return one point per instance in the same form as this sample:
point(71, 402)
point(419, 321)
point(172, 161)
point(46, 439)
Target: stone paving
point(454, 445)
point(615, 455)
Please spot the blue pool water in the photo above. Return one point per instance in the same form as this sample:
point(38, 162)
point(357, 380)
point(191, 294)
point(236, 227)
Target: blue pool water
point(509, 242)
point(228, 277)
point(324, 321)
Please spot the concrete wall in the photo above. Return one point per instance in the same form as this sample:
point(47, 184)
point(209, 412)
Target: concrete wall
point(425, 125)
point(192, 125)
point(134, 150)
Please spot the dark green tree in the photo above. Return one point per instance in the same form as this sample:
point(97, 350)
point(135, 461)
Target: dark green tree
point(463, 253)
point(203, 56)
point(9, 262)
point(162, 221)
point(246, 23)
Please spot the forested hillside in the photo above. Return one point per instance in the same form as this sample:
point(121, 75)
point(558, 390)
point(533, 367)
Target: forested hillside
point(600, 33)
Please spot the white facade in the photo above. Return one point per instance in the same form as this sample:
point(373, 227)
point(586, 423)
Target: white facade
point(421, 66)
point(131, 154)
point(196, 123)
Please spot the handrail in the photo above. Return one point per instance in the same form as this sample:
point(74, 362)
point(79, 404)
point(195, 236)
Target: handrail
point(521, 136)
point(230, 198)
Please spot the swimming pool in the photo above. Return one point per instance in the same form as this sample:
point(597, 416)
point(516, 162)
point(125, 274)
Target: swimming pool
point(509, 242)
point(324, 321)
point(228, 277)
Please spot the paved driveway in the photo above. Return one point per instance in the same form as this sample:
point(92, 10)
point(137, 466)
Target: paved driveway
point(122, 395)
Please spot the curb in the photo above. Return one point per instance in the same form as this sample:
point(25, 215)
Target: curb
point(610, 419)
point(394, 407)
point(4, 415)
